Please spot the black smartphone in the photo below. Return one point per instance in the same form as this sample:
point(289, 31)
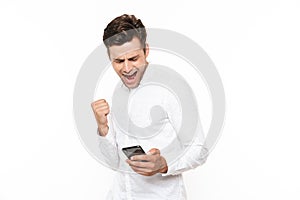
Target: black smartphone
point(133, 150)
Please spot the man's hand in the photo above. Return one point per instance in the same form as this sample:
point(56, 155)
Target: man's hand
point(101, 110)
point(149, 164)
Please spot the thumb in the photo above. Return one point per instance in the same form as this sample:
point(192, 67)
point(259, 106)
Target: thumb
point(153, 151)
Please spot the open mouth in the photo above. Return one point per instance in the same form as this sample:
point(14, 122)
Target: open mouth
point(130, 77)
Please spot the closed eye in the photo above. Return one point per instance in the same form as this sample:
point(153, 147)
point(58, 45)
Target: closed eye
point(119, 60)
point(135, 58)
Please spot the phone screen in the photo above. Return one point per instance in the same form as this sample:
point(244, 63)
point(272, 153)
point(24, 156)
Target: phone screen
point(133, 150)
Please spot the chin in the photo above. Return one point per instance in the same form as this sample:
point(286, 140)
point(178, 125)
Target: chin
point(132, 86)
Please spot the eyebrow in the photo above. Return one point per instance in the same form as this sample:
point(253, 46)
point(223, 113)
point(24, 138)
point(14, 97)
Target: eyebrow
point(122, 60)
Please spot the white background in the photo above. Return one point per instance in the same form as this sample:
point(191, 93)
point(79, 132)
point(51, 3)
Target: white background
point(255, 46)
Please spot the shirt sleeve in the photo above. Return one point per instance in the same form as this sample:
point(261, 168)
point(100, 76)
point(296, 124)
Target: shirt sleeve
point(194, 151)
point(194, 156)
point(108, 147)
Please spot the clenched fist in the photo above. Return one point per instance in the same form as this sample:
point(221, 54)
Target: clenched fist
point(101, 110)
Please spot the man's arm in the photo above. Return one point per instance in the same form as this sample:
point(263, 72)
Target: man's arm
point(195, 155)
point(101, 110)
point(191, 145)
point(106, 136)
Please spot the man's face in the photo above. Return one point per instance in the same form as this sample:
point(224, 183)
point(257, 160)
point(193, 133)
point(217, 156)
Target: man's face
point(129, 61)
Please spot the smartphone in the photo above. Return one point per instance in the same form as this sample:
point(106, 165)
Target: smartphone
point(133, 150)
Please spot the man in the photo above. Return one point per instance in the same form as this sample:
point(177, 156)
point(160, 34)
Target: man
point(150, 176)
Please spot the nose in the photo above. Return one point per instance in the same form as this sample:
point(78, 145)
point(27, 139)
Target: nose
point(127, 66)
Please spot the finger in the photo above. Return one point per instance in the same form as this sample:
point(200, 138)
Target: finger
point(97, 108)
point(101, 107)
point(143, 157)
point(140, 164)
point(98, 101)
point(101, 111)
point(96, 104)
point(154, 151)
point(141, 170)
point(101, 103)
point(135, 164)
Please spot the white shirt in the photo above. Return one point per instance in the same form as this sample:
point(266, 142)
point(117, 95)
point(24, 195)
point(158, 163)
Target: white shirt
point(128, 185)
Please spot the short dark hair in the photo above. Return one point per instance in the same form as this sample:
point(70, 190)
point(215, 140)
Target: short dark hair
point(122, 29)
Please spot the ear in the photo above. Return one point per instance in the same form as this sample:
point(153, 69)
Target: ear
point(146, 50)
